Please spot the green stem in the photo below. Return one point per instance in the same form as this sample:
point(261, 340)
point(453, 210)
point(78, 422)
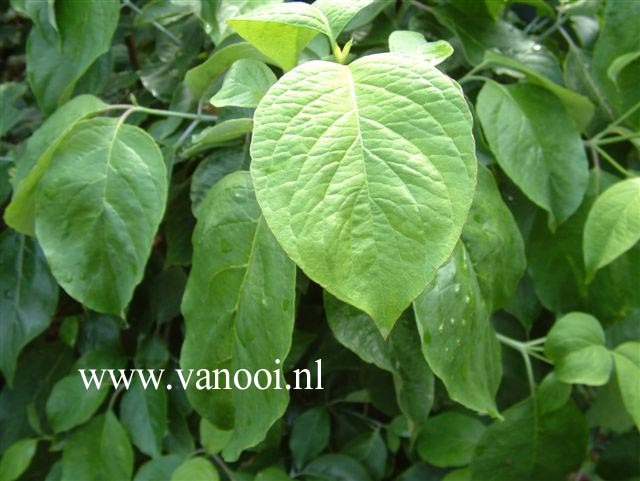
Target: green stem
point(523, 349)
point(159, 27)
point(341, 54)
point(596, 138)
point(613, 162)
point(160, 112)
point(223, 466)
point(618, 138)
point(470, 75)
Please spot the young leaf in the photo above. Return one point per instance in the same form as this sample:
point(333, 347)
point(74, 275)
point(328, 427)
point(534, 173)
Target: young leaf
point(339, 13)
point(244, 85)
point(98, 451)
point(195, 469)
point(143, 413)
point(575, 344)
point(414, 43)
point(613, 225)
point(400, 355)
point(219, 134)
point(551, 170)
point(85, 30)
point(458, 340)
point(530, 447)
point(627, 359)
point(372, 162)
point(309, 435)
point(28, 300)
point(449, 439)
point(100, 204)
point(281, 30)
point(241, 286)
point(17, 458)
point(33, 163)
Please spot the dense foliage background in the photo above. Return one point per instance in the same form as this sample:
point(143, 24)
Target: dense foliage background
point(123, 123)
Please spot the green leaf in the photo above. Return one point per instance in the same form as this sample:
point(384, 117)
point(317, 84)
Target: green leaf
point(226, 10)
point(98, 451)
point(575, 344)
point(528, 447)
point(219, 134)
point(613, 225)
point(201, 76)
point(17, 458)
point(281, 30)
point(400, 355)
point(244, 85)
point(552, 393)
point(144, 414)
point(213, 440)
point(356, 161)
point(577, 106)
point(335, 467)
point(159, 469)
point(370, 450)
point(449, 439)
point(627, 360)
point(195, 469)
point(551, 170)
point(414, 43)
point(309, 435)
point(339, 13)
point(211, 170)
point(272, 474)
point(100, 204)
point(10, 113)
point(85, 31)
point(70, 402)
point(241, 285)
point(458, 340)
point(620, 63)
point(33, 163)
point(29, 297)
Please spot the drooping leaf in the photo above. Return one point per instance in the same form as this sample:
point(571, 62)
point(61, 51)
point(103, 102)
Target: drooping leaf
point(159, 469)
point(241, 286)
point(98, 451)
point(33, 163)
point(143, 413)
point(100, 204)
point(449, 439)
point(212, 438)
point(357, 161)
point(627, 360)
point(28, 300)
point(551, 170)
point(219, 134)
point(228, 9)
point(309, 435)
point(613, 225)
point(575, 344)
point(531, 447)
point(400, 355)
point(458, 340)
point(85, 30)
point(195, 469)
point(281, 30)
point(70, 402)
point(17, 458)
point(414, 43)
point(244, 85)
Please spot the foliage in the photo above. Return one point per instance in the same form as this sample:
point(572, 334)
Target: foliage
point(438, 199)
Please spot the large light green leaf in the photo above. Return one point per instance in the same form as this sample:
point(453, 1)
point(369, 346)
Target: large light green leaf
point(575, 344)
point(33, 163)
point(226, 10)
point(85, 31)
point(414, 43)
point(365, 174)
point(100, 204)
point(195, 469)
point(530, 447)
point(339, 13)
point(238, 309)
point(281, 30)
point(552, 170)
point(28, 298)
point(144, 413)
point(627, 360)
point(400, 355)
point(613, 225)
point(458, 340)
point(17, 458)
point(99, 451)
point(201, 76)
point(244, 85)
point(449, 439)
